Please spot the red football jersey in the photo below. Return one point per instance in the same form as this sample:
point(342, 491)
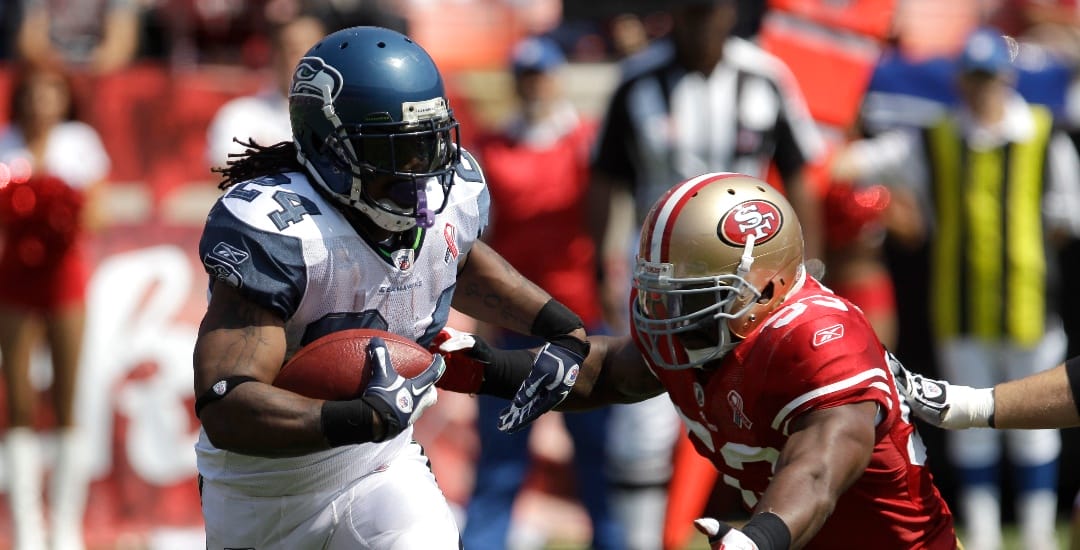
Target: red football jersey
point(816, 352)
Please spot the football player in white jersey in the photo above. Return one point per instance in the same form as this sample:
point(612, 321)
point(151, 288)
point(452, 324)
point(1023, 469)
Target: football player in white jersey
point(369, 218)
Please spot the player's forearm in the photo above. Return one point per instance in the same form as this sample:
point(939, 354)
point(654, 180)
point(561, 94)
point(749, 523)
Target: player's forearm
point(491, 290)
point(261, 420)
point(1043, 400)
point(801, 496)
point(828, 451)
point(614, 372)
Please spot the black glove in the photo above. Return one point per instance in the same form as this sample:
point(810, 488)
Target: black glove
point(399, 401)
point(554, 372)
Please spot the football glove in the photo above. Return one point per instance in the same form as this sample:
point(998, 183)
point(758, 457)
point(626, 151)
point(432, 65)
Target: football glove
point(399, 401)
point(554, 372)
point(943, 404)
point(466, 355)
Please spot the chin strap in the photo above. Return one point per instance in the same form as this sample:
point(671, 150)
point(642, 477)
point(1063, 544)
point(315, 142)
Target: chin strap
point(747, 259)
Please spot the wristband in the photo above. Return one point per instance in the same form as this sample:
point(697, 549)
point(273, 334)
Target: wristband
point(507, 370)
point(219, 390)
point(555, 319)
point(768, 532)
point(1072, 372)
point(347, 422)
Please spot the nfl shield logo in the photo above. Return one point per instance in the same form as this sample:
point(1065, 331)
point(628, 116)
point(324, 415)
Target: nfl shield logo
point(403, 259)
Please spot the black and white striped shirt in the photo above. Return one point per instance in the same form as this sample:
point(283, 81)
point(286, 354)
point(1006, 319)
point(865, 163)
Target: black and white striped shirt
point(665, 124)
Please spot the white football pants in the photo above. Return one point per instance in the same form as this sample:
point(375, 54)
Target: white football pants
point(397, 508)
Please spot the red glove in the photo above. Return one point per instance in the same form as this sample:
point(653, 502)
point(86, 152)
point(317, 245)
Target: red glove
point(466, 356)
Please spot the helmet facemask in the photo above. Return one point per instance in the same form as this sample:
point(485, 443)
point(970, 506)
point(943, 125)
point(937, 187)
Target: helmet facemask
point(410, 156)
point(718, 254)
point(696, 309)
point(373, 128)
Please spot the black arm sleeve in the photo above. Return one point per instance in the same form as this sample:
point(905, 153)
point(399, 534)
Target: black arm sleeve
point(1072, 371)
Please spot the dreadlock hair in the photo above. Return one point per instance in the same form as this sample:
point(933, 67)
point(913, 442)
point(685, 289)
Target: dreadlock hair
point(257, 161)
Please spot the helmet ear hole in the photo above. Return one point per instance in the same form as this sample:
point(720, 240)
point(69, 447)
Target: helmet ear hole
point(767, 293)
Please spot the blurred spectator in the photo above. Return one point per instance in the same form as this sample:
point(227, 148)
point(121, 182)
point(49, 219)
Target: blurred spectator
point(53, 164)
point(701, 101)
point(1053, 24)
point(751, 12)
point(338, 14)
point(264, 117)
point(858, 216)
point(92, 36)
point(1002, 187)
point(537, 172)
point(10, 19)
point(628, 35)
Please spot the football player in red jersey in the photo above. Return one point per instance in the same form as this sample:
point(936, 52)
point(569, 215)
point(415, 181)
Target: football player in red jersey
point(782, 384)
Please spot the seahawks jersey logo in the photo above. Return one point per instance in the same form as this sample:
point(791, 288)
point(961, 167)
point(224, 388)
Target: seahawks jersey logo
point(314, 78)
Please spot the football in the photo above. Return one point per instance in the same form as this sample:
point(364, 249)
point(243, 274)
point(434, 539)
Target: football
point(335, 366)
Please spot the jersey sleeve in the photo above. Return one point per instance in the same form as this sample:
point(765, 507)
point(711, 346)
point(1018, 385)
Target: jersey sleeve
point(830, 360)
point(469, 172)
point(267, 268)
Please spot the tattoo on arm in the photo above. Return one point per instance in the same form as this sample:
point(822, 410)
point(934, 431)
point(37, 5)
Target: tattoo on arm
point(496, 293)
point(237, 337)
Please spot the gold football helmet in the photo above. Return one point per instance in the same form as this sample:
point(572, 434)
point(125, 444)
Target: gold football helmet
point(718, 254)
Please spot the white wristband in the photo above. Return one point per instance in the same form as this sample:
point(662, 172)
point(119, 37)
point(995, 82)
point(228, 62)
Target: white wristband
point(969, 408)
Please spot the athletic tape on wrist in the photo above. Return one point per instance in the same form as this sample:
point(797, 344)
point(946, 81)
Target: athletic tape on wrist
point(1072, 372)
point(219, 390)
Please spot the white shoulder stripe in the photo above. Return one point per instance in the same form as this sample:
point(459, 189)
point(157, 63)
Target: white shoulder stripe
point(782, 416)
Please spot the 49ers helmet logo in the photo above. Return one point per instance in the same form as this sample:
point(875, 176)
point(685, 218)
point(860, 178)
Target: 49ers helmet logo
point(759, 218)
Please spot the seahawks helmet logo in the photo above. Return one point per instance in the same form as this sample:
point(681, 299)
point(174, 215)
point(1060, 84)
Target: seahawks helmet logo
point(314, 78)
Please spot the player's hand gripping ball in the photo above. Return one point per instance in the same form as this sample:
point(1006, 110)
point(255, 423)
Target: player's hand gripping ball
point(336, 367)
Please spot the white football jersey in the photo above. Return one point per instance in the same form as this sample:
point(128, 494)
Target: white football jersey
point(289, 249)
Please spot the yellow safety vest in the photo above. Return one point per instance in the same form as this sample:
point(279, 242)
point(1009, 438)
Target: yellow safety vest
point(989, 252)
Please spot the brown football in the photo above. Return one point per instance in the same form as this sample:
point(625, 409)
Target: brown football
point(335, 366)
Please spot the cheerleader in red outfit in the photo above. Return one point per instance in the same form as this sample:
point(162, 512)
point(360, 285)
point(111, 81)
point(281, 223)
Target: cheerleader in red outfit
point(51, 164)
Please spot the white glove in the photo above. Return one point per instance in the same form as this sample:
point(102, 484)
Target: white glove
point(943, 404)
point(723, 536)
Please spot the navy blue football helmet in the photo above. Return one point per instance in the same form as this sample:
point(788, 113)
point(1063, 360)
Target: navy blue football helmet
point(368, 101)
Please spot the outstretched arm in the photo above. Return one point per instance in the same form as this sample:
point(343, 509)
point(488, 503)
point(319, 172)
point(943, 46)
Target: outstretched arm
point(1042, 400)
point(1047, 399)
point(491, 290)
point(614, 371)
point(828, 451)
